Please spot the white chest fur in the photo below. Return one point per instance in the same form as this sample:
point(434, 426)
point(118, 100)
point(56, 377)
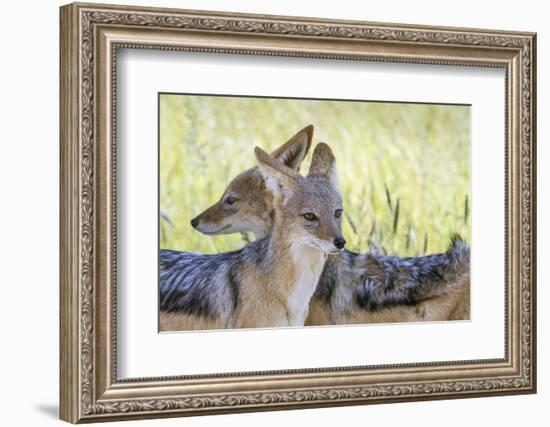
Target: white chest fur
point(308, 265)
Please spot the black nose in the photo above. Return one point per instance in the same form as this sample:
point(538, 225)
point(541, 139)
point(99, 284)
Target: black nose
point(194, 222)
point(339, 242)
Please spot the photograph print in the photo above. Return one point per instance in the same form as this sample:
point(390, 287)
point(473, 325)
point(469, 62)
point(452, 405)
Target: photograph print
point(286, 212)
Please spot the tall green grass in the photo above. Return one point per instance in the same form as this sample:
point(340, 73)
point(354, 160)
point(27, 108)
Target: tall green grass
point(404, 169)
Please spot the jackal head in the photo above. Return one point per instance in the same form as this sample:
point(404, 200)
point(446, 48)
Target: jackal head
point(308, 210)
point(246, 205)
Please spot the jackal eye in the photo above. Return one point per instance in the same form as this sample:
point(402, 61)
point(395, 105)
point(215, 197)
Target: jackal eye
point(309, 216)
point(230, 201)
point(338, 213)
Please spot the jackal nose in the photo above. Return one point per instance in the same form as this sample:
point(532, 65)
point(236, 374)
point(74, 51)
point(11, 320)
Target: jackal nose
point(339, 242)
point(194, 222)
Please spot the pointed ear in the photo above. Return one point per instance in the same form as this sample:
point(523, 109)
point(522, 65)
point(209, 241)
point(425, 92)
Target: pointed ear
point(279, 179)
point(293, 152)
point(323, 163)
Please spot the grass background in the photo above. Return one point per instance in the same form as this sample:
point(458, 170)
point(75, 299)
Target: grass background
point(404, 169)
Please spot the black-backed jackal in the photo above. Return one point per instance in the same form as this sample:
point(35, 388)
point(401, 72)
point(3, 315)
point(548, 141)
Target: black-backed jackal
point(270, 282)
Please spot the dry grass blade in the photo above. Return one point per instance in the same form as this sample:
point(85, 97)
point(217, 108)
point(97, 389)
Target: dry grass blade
point(388, 198)
point(166, 216)
point(396, 217)
point(372, 229)
point(350, 222)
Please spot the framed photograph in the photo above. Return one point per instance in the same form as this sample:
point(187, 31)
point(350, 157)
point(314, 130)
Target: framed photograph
point(266, 212)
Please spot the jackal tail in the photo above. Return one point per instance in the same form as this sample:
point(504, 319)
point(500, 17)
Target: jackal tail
point(412, 280)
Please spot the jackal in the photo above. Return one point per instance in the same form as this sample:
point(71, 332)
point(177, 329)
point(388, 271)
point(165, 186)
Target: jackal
point(269, 282)
point(356, 288)
point(368, 288)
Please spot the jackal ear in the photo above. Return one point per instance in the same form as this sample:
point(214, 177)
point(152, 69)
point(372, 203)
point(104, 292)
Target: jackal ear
point(279, 179)
point(323, 163)
point(294, 151)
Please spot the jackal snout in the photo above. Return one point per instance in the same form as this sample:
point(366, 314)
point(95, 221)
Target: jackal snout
point(241, 208)
point(339, 242)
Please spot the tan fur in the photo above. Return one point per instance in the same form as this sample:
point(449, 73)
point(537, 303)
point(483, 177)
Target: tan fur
point(171, 321)
point(265, 296)
point(455, 305)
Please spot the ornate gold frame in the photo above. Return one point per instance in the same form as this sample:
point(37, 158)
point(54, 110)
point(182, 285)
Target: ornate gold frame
point(90, 36)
